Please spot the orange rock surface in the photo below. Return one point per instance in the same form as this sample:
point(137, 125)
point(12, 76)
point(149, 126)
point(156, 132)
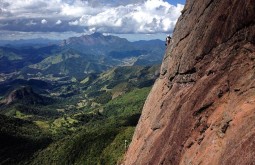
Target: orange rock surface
point(202, 108)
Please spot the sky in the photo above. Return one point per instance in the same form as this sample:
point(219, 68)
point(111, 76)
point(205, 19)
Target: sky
point(60, 19)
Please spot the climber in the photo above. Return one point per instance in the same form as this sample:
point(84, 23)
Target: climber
point(168, 40)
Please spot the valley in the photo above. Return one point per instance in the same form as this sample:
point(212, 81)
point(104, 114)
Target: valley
point(62, 106)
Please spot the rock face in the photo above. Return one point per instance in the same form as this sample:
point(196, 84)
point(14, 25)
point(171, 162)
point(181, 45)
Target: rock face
point(202, 108)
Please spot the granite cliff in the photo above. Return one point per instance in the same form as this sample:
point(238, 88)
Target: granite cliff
point(202, 108)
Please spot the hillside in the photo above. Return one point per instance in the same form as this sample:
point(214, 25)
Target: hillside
point(25, 95)
point(100, 138)
point(79, 122)
point(20, 140)
point(201, 109)
point(13, 59)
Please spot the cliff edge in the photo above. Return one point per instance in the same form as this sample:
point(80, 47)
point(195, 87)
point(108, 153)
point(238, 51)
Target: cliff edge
point(202, 108)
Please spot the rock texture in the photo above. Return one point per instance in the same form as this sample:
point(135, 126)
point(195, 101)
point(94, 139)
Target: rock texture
point(202, 108)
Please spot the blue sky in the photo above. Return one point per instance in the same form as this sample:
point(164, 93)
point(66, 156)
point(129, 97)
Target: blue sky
point(59, 19)
point(174, 2)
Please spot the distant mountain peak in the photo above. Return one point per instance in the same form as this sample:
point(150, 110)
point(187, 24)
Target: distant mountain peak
point(95, 39)
point(97, 34)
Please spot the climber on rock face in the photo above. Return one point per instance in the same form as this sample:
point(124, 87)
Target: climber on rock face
point(168, 40)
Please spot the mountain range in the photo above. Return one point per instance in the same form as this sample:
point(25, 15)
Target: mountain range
point(29, 42)
point(76, 57)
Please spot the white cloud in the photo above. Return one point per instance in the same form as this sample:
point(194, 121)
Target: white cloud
point(58, 22)
point(44, 21)
point(73, 23)
point(31, 23)
point(92, 30)
point(71, 10)
point(152, 16)
point(130, 16)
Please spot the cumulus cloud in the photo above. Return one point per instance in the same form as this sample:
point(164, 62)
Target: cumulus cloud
point(152, 16)
point(44, 21)
point(58, 22)
point(129, 16)
point(73, 23)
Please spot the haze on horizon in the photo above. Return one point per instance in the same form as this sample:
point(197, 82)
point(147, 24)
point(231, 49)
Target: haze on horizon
point(60, 19)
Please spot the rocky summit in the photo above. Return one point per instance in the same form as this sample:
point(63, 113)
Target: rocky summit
point(202, 108)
